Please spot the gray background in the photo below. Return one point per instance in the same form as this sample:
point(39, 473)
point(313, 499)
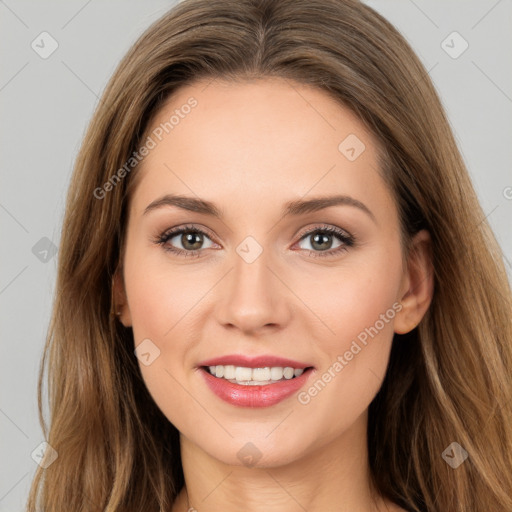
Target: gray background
point(47, 103)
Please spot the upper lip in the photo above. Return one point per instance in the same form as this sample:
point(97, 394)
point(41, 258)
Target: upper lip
point(254, 362)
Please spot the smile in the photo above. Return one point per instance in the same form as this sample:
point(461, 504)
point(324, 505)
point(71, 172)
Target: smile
point(254, 387)
point(254, 376)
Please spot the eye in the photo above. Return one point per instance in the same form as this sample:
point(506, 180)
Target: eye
point(322, 244)
point(190, 238)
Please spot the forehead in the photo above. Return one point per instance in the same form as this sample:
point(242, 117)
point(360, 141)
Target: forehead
point(257, 142)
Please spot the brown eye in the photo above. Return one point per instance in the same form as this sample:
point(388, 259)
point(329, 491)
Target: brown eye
point(322, 240)
point(185, 241)
point(191, 241)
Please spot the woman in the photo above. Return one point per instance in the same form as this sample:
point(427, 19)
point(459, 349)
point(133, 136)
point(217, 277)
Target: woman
point(276, 290)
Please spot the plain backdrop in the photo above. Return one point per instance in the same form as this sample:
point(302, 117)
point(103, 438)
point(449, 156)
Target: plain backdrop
point(46, 104)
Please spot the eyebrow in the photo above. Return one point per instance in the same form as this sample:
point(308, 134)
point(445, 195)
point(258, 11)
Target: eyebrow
point(294, 208)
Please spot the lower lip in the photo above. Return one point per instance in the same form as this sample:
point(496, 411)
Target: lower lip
point(254, 396)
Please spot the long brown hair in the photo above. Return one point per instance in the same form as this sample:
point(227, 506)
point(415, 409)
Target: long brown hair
point(449, 380)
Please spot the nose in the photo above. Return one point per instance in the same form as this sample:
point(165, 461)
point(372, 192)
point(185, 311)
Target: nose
point(252, 298)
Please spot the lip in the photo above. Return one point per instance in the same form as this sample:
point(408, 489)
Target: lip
point(254, 396)
point(254, 362)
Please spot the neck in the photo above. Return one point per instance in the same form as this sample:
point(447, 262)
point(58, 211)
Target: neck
point(332, 476)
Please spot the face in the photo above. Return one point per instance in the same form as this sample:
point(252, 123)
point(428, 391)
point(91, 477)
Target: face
point(320, 285)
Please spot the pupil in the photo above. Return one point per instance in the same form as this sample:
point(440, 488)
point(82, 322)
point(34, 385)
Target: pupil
point(319, 238)
point(189, 238)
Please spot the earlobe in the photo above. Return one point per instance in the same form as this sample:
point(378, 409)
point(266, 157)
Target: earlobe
point(418, 288)
point(119, 305)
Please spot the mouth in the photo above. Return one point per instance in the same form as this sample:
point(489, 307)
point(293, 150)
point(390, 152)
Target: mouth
point(244, 386)
point(246, 376)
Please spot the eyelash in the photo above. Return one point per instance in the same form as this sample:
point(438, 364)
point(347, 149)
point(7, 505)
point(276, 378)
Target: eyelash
point(347, 240)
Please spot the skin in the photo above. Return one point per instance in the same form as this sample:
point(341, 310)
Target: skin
point(250, 147)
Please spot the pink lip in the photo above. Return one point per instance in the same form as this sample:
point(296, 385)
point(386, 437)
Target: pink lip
point(254, 362)
point(254, 396)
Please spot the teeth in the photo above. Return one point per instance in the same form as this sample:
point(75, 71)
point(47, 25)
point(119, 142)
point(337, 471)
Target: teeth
point(262, 374)
point(229, 372)
point(254, 376)
point(242, 374)
point(288, 373)
point(276, 373)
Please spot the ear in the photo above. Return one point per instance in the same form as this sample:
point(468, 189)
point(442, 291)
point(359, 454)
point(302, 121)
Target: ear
point(417, 287)
point(120, 303)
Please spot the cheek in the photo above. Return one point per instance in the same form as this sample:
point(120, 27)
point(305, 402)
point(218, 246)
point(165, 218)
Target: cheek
point(159, 295)
point(155, 303)
point(159, 301)
point(356, 297)
point(359, 307)
point(364, 302)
